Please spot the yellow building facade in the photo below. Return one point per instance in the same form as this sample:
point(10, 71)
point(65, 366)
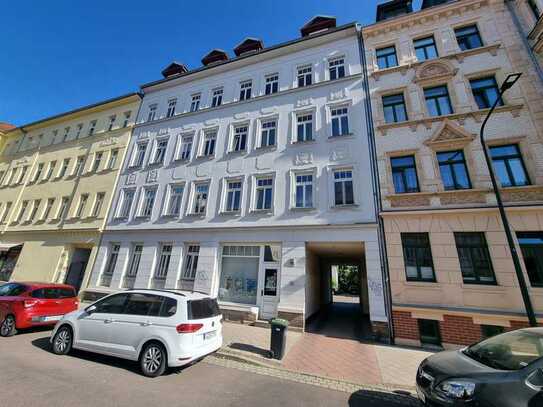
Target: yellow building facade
point(57, 178)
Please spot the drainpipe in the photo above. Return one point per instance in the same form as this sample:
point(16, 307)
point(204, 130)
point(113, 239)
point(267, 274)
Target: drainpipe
point(376, 188)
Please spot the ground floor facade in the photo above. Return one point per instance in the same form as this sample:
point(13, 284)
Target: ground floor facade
point(256, 273)
point(452, 277)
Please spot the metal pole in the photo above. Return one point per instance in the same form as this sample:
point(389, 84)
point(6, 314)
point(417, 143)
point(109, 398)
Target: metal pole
point(522, 282)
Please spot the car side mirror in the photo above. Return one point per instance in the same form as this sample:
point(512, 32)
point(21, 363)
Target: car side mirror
point(89, 310)
point(535, 380)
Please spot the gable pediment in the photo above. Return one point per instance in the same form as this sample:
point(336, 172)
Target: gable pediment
point(449, 134)
point(435, 69)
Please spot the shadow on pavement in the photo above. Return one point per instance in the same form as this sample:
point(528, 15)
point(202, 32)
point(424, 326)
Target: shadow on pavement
point(250, 348)
point(372, 398)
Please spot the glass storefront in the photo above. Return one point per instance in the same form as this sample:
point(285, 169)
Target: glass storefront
point(239, 274)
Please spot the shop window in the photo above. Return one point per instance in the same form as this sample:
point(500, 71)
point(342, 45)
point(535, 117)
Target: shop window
point(429, 332)
point(239, 274)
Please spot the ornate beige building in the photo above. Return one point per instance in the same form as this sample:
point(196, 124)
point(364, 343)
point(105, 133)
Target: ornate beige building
point(433, 75)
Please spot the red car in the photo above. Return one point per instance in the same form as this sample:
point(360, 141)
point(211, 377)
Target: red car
point(24, 305)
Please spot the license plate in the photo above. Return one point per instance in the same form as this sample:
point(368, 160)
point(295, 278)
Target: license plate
point(210, 335)
point(52, 318)
point(421, 395)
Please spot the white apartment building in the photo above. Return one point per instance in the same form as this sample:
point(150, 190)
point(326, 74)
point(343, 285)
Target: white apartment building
point(248, 177)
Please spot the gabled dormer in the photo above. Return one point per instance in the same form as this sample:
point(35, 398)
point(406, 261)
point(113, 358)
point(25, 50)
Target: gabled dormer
point(214, 56)
point(393, 9)
point(318, 24)
point(174, 68)
point(248, 45)
point(432, 3)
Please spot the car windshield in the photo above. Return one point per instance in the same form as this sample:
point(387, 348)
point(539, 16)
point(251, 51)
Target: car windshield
point(509, 351)
point(12, 290)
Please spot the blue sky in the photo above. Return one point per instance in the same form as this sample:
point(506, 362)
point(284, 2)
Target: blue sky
point(58, 55)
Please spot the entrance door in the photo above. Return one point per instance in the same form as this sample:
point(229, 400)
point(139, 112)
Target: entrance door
point(76, 271)
point(269, 293)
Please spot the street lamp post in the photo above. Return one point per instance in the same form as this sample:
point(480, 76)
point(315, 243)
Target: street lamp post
point(507, 84)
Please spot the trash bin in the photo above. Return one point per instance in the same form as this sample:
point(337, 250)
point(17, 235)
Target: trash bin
point(278, 338)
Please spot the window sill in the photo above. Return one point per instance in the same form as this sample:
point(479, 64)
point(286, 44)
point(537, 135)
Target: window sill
point(341, 137)
point(302, 209)
point(421, 283)
point(262, 211)
point(196, 215)
point(265, 148)
point(301, 143)
point(205, 157)
point(241, 152)
point(236, 214)
point(346, 206)
point(483, 286)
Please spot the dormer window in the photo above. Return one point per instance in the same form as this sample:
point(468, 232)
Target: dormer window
point(217, 97)
point(305, 76)
point(152, 112)
point(171, 107)
point(245, 88)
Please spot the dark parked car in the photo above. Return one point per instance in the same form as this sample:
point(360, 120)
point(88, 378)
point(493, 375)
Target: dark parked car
point(503, 371)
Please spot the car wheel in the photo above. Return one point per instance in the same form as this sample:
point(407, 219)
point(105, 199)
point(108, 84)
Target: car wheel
point(8, 326)
point(153, 360)
point(62, 341)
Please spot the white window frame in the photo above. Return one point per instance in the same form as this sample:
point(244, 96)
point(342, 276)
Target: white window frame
point(195, 102)
point(166, 210)
point(114, 248)
point(188, 260)
point(294, 130)
point(47, 208)
point(297, 73)
point(98, 156)
point(135, 154)
point(112, 159)
point(142, 202)
point(191, 209)
point(34, 211)
point(203, 135)
point(293, 184)
point(111, 122)
point(268, 79)
point(131, 261)
point(159, 273)
point(50, 170)
point(217, 95)
point(81, 205)
point(232, 135)
point(338, 105)
point(63, 207)
point(92, 127)
point(254, 191)
point(332, 169)
point(180, 146)
point(5, 211)
point(78, 131)
point(127, 115)
point(38, 173)
point(172, 104)
point(152, 112)
point(225, 184)
point(98, 204)
point(259, 128)
point(158, 140)
point(122, 199)
point(78, 170)
point(330, 67)
point(63, 170)
point(245, 86)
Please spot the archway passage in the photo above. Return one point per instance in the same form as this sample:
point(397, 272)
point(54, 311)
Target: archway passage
point(336, 295)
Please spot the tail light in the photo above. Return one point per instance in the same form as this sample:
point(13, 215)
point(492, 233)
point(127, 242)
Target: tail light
point(188, 328)
point(29, 303)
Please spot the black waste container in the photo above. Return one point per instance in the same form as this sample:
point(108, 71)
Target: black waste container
point(278, 338)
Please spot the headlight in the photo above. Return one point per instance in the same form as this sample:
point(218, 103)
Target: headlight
point(457, 389)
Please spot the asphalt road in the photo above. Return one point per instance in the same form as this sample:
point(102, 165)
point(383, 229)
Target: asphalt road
point(30, 375)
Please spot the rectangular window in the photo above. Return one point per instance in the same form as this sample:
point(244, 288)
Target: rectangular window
point(63, 208)
point(438, 101)
point(64, 167)
point(200, 199)
point(268, 133)
point(112, 259)
point(404, 174)
point(137, 250)
point(304, 127)
point(239, 274)
point(239, 141)
point(48, 208)
point(79, 166)
point(171, 107)
point(148, 201)
point(164, 261)
point(81, 207)
point(195, 102)
point(175, 197)
point(343, 187)
point(160, 152)
point(126, 118)
point(11, 176)
point(272, 84)
point(304, 190)
point(78, 130)
point(453, 169)
point(50, 170)
point(111, 122)
point(98, 203)
point(509, 166)
point(264, 193)
point(531, 245)
point(429, 332)
point(139, 155)
point(97, 161)
point(210, 139)
point(191, 262)
point(217, 97)
point(486, 92)
point(394, 108)
point(233, 196)
point(151, 115)
point(468, 37)
point(474, 257)
point(5, 212)
point(336, 68)
point(386, 57)
point(340, 121)
point(38, 173)
point(22, 211)
point(92, 127)
point(186, 148)
point(305, 76)
point(127, 197)
point(34, 211)
point(66, 134)
point(22, 174)
point(425, 48)
point(113, 155)
point(245, 90)
point(417, 257)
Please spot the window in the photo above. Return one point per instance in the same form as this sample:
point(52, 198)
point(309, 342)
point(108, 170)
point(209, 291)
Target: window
point(66, 134)
point(112, 305)
point(164, 261)
point(304, 127)
point(150, 305)
point(233, 196)
point(98, 203)
point(304, 191)
point(468, 37)
point(264, 193)
point(425, 48)
point(305, 76)
point(11, 176)
point(97, 160)
point(135, 260)
point(112, 259)
point(217, 97)
point(113, 155)
point(535, 8)
point(22, 211)
point(79, 166)
point(38, 173)
point(438, 101)
point(429, 332)
point(245, 90)
point(126, 118)
point(531, 245)
point(474, 257)
point(22, 174)
point(195, 102)
point(453, 169)
point(5, 212)
point(81, 207)
point(343, 187)
point(272, 84)
point(175, 196)
point(394, 108)
point(152, 112)
point(404, 174)
point(210, 139)
point(92, 127)
point(148, 201)
point(268, 133)
point(486, 92)
point(239, 141)
point(386, 57)
point(34, 211)
point(488, 331)
point(200, 198)
point(63, 208)
point(239, 274)
point(186, 148)
point(139, 156)
point(111, 122)
point(417, 257)
point(509, 166)
point(160, 151)
point(48, 207)
point(171, 107)
point(127, 197)
point(191, 262)
point(336, 68)
point(340, 121)
point(78, 130)
point(64, 167)
point(50, 170)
